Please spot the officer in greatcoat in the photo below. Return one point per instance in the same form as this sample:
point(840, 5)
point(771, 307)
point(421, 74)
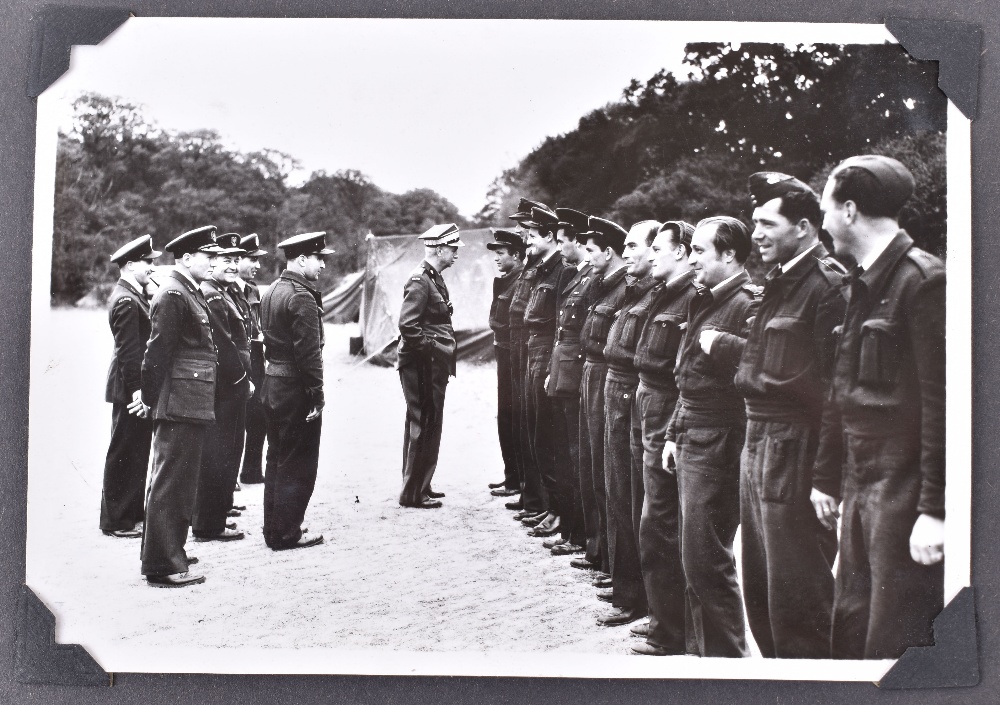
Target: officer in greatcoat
point(291, 316)
point(889, 399)
point(425, 360)
point(131, 434)
point(178, 387)
point(784, 375)
point(220, 460)
point(247, 296)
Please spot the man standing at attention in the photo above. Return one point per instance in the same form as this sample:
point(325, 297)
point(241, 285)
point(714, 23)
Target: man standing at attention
point(785, 377)
point(291, 317)
point(706, 433)
point(889, 390)
point(425, 359)
point(178, 384)
point(247, 296)
point(131, 434)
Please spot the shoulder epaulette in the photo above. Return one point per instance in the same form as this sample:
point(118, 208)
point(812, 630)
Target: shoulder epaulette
point(755, 291)
point(832, 270)
point(927, 263)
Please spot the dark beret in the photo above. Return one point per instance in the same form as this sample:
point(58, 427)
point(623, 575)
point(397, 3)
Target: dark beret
point(894, 178)
point(768, 185)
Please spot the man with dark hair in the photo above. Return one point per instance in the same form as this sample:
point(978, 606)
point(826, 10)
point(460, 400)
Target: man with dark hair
point(549, 454)
point(178, 388)
point(291, 317)
point(605, 245)
point(705, 434)
point(565, 372)
point(131, 430)
point(784, 375)
point(508, 250)
point(247, 296)
point(220, 460)
point(889, 395)
point(656, 395)
point(623, 434)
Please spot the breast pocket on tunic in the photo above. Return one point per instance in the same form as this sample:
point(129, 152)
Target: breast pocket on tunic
point(880, 352)
point(192, 389)
point(786, 347)
point(664, 335)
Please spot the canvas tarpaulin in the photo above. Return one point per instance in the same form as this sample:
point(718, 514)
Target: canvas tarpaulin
point(391, 260)
point(343, 304)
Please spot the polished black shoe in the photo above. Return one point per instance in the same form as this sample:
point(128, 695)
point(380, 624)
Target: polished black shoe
point(566, 549)
point(225, 535)
point(124, 533)
point(607, 595)
point(504, 492)
point(584, 564)
point(435, 495)
point(549, 527)
point(602, 582)
point(423, 504)
point(535, 519)
point(239, 507)
point(640, 629)
point(303, 542)
point(644, 648)
point(526, 514)
point(230, 524)
point(174, 580)
point(497, 485)
point(552, 543)
point(620, 617)
point(233, 513)
point(516, 504)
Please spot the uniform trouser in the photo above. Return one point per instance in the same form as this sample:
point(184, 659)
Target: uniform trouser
point(622, 493)
point(506, 430)
point(125, 470)
point(567, 420)
point(593, 492)
point(885, 601)
point(220, 465)
point(173, 483)
point(293, 446)
point(541, 429)
point(256, 424)
point(531, 485)
point(708, 483)
point(659, 530)
point(424, 381)
point(787, 553)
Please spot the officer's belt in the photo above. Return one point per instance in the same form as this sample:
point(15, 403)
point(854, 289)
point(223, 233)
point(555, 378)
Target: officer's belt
point(784, 411)
point(567, 336)
point(199, 356)
point(540, 339)
point(658, 383)
point(280, 368)
point(710, 412)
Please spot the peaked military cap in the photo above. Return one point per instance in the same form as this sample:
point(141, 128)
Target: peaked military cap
point(251, 243)
point(445, 234)
point(572, 218)
point(613, 234)
point(140, 248)
point(197, 240)
point(230, 244)
point(506, 238)
point(768, 185)
point(524, 207)
point(305, 244)
point(895, 179)
point(541, 218)
point(683, 230)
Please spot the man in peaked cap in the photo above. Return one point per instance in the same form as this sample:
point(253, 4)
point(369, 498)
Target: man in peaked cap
point(220, 460)
point(178, 386)
point(247, 296)
point(784, 376)
point(291, 317)
point(425, 360)
point(888, 418)
point(508, 252)
point(131, 433)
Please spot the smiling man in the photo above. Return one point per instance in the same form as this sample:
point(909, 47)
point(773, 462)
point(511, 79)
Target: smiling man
point(705, 434)
point(785, 376)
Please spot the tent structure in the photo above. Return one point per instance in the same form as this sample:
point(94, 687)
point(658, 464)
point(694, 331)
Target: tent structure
point(391, 259)
point(343, 304)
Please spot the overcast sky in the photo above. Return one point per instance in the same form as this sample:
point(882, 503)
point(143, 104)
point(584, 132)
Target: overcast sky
point(442, 104)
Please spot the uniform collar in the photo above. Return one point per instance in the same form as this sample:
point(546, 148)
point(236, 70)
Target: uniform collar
point(549, 263)
point(730, 284)
point(186, 280)
point(679, 283)
point(131, 286)
point(887, 260)
point(794, 270)
point(790, 264)
point(433, 270)
point(298, 279)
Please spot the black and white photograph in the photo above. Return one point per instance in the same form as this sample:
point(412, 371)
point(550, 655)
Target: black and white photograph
point(594, 349)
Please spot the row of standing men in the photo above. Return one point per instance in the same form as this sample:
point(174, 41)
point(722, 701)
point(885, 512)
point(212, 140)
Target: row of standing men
point(201, 375)
point(652, 399)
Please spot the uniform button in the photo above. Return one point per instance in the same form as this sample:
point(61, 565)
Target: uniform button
point(195, 374)
point(625, 396)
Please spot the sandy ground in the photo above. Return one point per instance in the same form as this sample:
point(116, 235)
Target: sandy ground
point(465, 577)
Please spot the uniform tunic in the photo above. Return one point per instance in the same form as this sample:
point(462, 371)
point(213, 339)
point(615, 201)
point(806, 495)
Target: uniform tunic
point(889, 390)
point(292, 324)
point(709, 425)
point(503, 289)
point(220, 460)
point(784, 375)
point(128, 452)
point(623, 445)
point(426, 357)
point(659, 529)
point(178, 383)
point(608, 296)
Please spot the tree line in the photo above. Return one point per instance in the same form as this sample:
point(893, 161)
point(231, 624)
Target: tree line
point(668, 148)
